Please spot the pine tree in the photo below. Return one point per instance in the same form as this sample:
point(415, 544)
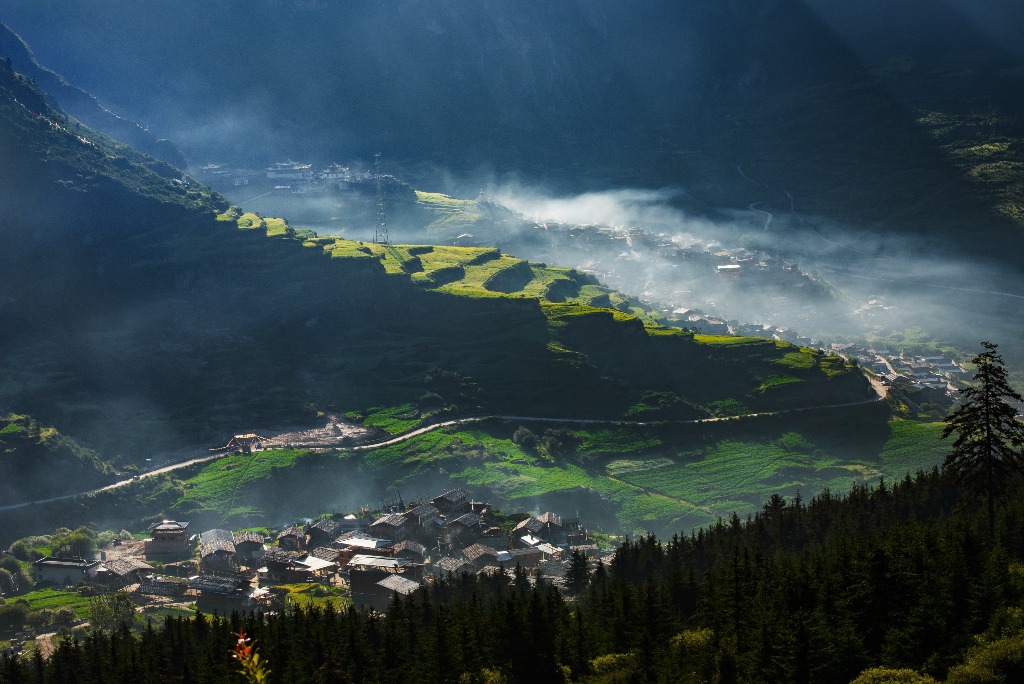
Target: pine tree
point(577, 576)
point(987, 448)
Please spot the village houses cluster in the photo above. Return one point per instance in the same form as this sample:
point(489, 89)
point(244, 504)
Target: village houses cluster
point(297, 178)
point(395, 552)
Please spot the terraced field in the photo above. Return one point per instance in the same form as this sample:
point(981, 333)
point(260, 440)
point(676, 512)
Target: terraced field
point(635, 478)
point(54, 599)
point(467, 271)
point(221, 485)
point(626, 478)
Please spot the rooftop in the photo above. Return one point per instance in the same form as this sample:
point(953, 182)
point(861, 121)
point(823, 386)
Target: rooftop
point(391, 519)
point(293, 531)
point(467, 519)
point(213, 585)
point(79, 563)
point(377, 562)
point(400, 584)
point(407, 545)
point(449, 564)
point(124, 566)
point(331, 526)
point(241, 537)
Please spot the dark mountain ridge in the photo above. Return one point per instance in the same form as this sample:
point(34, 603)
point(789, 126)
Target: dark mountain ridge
point(825, 106)
point(64, 96)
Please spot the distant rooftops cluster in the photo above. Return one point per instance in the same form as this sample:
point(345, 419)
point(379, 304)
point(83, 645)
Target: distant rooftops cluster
point(392, 552)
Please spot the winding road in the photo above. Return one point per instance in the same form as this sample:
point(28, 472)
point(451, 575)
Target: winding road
point(880, 391)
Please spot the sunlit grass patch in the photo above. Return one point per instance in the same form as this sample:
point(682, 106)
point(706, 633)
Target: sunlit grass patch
point(989, 149)
point(913, 446)
point(997, 172)
point(619, 440)
point(250, 220)
point(437, 200)
point(55, 599)
point(622, 466)
point(797, 359)
point(218, 484)
point(311, 594)
point(832, 366)
point(648, 512)
point(523, 480)
point(393, 419)
point(727, 340)
point(561, 312)
point(774, 381)
point(276, 226)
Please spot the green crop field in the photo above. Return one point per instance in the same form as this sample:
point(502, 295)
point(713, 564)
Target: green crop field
point(220, 485)
point(727, 340)
point(55, 599)
point(913, 446)
point(799, 359)
point(657, 482)
point(395, 419)
point(309, 595)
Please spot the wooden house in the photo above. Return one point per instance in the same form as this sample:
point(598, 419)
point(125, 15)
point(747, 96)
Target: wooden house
point(324, 531)
point(454, 502)
point(248, 547)
point(63, 571)
point(392, 526)
point(217, 551)
point(410, 550)
point(463, 530)
point(451, 566)
point(292, 539)
point(122, 572)
point(424, 515)
point(168, 538)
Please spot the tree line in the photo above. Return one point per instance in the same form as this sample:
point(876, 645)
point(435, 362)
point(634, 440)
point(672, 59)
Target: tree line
point(905, 581)
point(896, 575)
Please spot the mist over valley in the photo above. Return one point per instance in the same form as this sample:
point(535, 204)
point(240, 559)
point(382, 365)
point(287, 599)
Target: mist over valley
point(508, 285)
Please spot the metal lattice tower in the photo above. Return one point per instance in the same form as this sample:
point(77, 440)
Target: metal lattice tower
point(380, 232)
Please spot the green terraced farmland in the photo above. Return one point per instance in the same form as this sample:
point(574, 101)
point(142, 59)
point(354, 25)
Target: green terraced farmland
point(913, 446)
point(220, 485)
point(55, 599)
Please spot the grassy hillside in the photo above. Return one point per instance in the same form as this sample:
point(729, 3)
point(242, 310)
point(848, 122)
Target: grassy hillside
point(620, 479)
point(142, 314)
point(130, 305)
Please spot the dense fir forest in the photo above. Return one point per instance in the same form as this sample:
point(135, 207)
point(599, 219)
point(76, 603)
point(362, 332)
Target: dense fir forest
point(897, 576)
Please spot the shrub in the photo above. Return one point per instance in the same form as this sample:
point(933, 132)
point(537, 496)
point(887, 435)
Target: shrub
point(999, 661)
point(886, 675)
point(20, 550)
point(525, 439)
point(7, 586)
point(111, 612)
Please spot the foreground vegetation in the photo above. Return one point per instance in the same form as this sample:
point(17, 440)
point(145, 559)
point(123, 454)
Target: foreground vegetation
point(896, 577)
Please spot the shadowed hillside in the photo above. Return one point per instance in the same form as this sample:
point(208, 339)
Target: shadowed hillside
point(137, 320)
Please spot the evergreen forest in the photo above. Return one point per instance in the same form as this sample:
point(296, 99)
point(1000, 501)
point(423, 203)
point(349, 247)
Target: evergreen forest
point(897, 582)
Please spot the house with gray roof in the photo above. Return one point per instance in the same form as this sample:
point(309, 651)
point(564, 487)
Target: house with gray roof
point(217, 550)
point(392, 526)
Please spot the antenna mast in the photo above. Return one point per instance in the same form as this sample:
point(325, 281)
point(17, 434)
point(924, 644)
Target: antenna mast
point(380, 233)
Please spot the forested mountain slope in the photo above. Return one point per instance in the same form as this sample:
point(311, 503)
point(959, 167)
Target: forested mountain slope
point(134, 319)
